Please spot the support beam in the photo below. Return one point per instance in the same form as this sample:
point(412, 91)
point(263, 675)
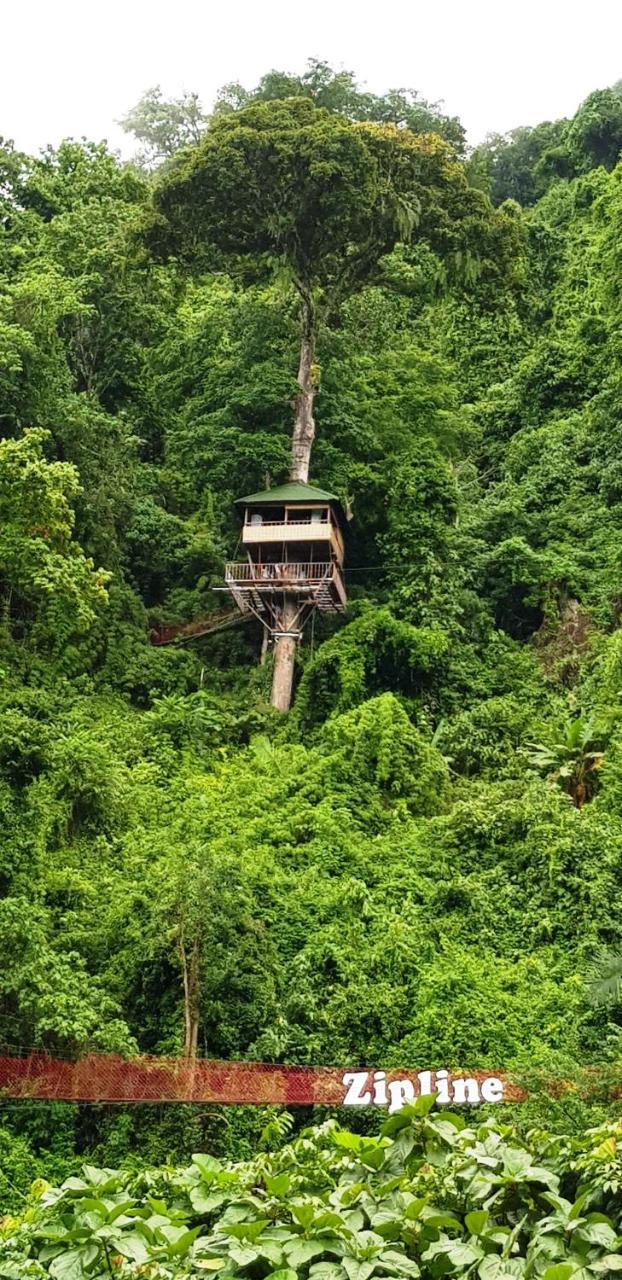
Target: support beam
point(285, 656)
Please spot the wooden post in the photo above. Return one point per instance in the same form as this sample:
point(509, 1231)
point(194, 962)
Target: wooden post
point(284, 658)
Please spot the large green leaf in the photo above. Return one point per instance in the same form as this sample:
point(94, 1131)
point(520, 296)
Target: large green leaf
point(243, 1254)
point(277, 1184)
point(205, 1201)
point(299, 1251)
point(475, 1221)
point(133, 1246)
point(73, 1264)
point(207, 1165)
point(248, 1230)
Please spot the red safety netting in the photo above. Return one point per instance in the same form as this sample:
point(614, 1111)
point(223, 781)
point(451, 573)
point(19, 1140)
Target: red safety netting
point(111, 1078)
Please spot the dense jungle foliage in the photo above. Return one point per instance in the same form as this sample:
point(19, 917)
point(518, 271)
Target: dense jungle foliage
point(428, 1197)
point(420, 865)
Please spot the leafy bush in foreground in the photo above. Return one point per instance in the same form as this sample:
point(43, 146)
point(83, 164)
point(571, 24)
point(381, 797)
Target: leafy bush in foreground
point(430, 1196)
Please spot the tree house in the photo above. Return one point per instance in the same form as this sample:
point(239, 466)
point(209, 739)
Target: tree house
point(293, 539)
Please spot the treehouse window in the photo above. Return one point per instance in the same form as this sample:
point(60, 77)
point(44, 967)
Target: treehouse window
point(306, 515)
point(267, 515)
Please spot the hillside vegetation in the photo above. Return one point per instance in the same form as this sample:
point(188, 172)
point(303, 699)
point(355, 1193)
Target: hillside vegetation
point(421, 863)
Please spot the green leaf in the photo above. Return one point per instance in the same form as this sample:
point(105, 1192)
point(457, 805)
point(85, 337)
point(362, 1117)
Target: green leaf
point(278, 1185)
point(99, 1176)
point(244, 1255)
point(576, 1209)
point(402, 1264)
point(357, 1269)
point(299, 1251)
point(423, 1104)
point(415, 1208)
point(233, 1213)
point(349, 1141)
point(600, 1233)
point(303, 1214)
point(353, 1218)
point(49, 1251)
point(248, 1230)
point(464, 1254)
point(178, 1248)
point(271, 1251)
point(326, 1271)
point(90, 1204)
point(132, 1246)
point(72, 1263)
point(493, 1267)
point(404, 1117)
point(436, 1220)
point(561, 1271)
point(118, 1210)
point(476, 1221)
point(207, 1166)
point(204, 1201)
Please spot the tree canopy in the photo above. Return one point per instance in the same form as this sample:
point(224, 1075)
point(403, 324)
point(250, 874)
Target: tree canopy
point(291, 183)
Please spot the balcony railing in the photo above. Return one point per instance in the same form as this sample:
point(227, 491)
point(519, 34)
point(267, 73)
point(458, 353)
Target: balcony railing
point(266, 575)
point(289, 531)
point(277, 524)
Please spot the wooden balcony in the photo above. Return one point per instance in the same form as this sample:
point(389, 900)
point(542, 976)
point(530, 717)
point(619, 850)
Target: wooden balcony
point(319, 582)
point(287, 531)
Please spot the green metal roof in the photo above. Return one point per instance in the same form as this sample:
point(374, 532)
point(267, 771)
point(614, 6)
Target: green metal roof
point(288, 493)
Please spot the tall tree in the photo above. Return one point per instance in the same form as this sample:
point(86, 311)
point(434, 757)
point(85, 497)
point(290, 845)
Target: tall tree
point(163, 126)
point(318, 196)
point(294, 188)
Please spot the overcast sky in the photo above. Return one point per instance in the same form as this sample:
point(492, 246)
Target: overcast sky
point(72, 67)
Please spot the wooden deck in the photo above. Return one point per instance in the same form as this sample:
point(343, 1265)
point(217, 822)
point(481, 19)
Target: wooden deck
point(319, 582)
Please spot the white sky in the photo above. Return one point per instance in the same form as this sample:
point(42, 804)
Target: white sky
point(72, 67)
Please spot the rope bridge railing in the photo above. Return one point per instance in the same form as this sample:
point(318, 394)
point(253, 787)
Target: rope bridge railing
point(110, 1078)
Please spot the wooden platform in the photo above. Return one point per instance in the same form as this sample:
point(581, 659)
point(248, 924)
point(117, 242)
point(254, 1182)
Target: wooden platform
point(320, 583)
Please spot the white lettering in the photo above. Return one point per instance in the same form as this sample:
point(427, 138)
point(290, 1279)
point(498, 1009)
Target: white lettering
point(380, 1089)
point(466, 1090)
point(355, 1082)
point(492, 1090)
point(425, 1083)
point(364, 1088)
point(401, 1091)
point(442, 1087)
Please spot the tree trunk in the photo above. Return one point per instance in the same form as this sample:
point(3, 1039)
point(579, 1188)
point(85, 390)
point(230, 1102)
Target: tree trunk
point(264, 647)
point(284, 658)
point(190, 973)
point(303, 435)
point(304, 422)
